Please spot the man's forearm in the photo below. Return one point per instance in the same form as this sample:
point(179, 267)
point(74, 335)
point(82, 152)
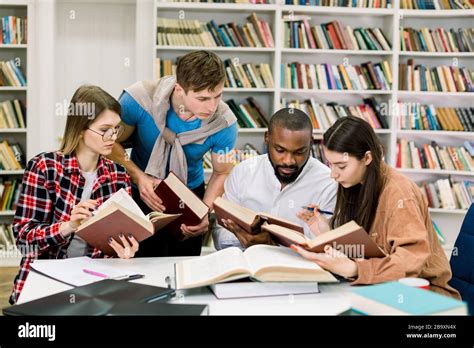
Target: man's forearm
point(215, 188)
point(119, 155)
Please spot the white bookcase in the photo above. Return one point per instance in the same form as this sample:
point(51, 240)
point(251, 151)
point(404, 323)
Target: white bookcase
point(22, 54)
point(389, 20)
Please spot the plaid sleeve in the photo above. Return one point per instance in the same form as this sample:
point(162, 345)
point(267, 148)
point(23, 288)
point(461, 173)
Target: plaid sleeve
point(32, 225)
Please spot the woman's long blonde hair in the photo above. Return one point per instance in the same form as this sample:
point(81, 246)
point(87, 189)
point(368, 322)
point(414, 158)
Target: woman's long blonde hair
point(86, 104)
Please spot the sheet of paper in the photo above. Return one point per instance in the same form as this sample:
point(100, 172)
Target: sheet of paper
point(71, 270)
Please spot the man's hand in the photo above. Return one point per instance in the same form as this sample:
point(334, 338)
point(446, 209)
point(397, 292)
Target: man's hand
point(245, 238)
point(146, 185)
point(194, 231)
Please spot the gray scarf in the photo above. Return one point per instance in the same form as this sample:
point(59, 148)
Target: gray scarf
point(154, 98)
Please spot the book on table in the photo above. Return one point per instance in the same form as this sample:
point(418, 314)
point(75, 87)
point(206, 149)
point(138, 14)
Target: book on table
point(121, 214)
point(394, 298)
point(265, 263)
point(179, 199)
point(349, 238)
point(247, 219)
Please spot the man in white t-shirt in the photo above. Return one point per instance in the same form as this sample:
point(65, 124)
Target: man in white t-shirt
point(279, 183)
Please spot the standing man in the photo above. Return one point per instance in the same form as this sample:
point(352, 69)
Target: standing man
point(172, 123)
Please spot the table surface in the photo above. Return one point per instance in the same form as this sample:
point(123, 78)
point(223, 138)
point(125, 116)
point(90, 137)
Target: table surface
point(333, 298)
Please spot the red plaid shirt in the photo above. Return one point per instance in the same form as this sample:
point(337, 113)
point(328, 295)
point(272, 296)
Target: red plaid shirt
point(52, 185)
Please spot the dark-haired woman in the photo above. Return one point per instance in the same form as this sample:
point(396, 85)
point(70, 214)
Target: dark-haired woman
point(387, 204)
point(60, 189)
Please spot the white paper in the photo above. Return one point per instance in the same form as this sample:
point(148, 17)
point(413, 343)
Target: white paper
point(71, 270)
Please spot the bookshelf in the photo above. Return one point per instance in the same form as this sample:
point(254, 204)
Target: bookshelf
point(21, 53)
point(389, 20)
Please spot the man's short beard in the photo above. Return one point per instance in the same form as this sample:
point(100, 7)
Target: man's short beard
point(287, 179)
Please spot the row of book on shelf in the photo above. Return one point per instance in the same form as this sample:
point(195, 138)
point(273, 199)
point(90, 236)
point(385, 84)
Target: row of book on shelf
point(11, 156)
point(416, 116)
point(11, 74)
point(9, 193)
point(298, 33)
point(238, 75)
point(7, 239)
point(343, 3)
point(14, 30)
point(434, 156)
point(404, 4)
point(446, 194)
point(177, 32)
point(12, 114)
point(323, 116)
point(249, 114)
point(246, 152)
point(366, 76)
point(437, 40)
point(418, 77)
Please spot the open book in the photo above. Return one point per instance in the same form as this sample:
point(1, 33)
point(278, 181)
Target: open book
point(266, 263)
point(246, 218)
point(349, 238)
point(121, 214)
point(179, 199)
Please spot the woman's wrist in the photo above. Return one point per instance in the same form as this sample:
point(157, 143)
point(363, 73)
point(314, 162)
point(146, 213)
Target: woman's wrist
point(66, 229)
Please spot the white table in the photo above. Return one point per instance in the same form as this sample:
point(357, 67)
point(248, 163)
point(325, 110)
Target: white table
point(332, 299)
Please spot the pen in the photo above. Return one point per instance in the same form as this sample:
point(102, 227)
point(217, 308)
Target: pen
point(129, 277)
point(97, 274)
point(311, 209)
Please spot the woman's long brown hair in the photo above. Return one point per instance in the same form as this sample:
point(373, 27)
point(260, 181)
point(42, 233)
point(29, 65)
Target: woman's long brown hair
point(354, 136)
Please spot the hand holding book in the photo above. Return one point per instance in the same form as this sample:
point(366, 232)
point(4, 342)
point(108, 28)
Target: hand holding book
point(245, 238)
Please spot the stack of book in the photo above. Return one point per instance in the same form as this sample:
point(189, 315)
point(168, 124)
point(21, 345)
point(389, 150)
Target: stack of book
point(11, 74)
point(324, 116)
point(238, 155)
point(14, 30)
point(12, 114)
point(433, 156)
point(367, 76)
point(317, 150)
point(446, 194)
point(343, 3)
point(437, 79)
point(437, 40)
point(333, 35)
point(428, 117)
point(247, 75)
point(9, 193)
point(436, 5)
point(249, 115)
point(174, 32)
point(11, 156)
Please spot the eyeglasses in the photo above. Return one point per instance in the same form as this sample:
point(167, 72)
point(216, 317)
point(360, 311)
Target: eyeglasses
point(109, 133)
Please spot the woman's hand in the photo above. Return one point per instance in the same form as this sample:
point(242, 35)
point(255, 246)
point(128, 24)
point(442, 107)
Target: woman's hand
point(317, 222)
point(331, 260)
point(127, 248)
point(80, 212)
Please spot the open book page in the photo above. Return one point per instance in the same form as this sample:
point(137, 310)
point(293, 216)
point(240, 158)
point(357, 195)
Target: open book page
point(345, 229)
point(122, 198)
point(211, 268)
point(263, 256)
point(285, 235)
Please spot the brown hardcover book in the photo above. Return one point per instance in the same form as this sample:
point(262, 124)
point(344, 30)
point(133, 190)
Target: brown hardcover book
point(120, 214)
point(255, 21)
point(179, 199)
point(373, 76)
point(349, 238)
point(246, 218)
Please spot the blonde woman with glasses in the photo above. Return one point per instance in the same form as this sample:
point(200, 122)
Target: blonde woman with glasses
point(62, 188)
